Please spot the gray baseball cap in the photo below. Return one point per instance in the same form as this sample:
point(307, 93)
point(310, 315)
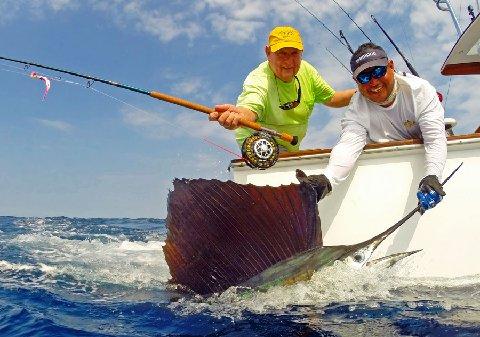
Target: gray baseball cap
point(370, 57)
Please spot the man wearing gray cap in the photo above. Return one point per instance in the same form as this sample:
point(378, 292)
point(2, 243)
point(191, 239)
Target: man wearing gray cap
point(388, 106)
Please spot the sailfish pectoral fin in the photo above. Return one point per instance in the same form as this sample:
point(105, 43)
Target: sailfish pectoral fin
point(390, 260)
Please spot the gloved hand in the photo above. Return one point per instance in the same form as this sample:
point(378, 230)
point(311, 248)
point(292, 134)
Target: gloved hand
point(319, 183)
point(430, 193)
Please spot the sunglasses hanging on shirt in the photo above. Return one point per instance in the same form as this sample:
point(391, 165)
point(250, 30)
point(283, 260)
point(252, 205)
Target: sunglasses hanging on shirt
point(293, 104)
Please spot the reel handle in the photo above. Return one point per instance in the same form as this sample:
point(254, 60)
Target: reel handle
point(205, 109)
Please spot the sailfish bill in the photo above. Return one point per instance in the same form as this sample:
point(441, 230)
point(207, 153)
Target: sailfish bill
point(223, 234)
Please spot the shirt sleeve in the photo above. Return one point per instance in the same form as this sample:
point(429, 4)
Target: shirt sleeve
point(253, 96)
point(432, 126)
point(346, 152)
point(322, 90)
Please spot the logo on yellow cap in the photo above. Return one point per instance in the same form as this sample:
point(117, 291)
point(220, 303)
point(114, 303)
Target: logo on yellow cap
point(282, 37)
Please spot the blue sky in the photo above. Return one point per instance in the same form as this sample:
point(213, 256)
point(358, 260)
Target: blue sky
point(114, 153)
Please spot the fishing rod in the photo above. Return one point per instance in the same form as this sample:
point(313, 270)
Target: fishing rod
point(409, 65)
point(346, 41)
point(259, 152)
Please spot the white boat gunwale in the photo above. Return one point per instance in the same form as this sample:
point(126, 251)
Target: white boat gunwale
point(369, 148)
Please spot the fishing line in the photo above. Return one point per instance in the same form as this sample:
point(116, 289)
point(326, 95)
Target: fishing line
point(19, 71)
point(89, 86)
point(338, 39)
point(162, 119)
point(407, 41)
point(448, 91)
point(323, 24)
point(347, 14)
point(460, 11)
point(336, 58)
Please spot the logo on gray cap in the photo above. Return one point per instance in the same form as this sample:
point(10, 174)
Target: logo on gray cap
point(372, 57)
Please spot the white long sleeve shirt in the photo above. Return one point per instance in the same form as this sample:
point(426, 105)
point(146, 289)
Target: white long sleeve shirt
point(415, 113)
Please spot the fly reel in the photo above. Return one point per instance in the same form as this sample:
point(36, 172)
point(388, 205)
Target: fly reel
point(260, 150)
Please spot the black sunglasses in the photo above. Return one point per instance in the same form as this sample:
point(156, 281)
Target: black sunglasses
point(295, 103)
point(377, 72)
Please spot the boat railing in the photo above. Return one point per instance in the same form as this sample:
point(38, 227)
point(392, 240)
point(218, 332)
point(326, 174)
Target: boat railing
point(390, 145)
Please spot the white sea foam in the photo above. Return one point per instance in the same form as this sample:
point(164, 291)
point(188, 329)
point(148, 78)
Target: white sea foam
point(337, 283)
point(140, 246)
point(125, 263)
point(8, 266)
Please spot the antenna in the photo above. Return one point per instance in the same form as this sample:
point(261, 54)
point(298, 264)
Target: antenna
point(444, 5)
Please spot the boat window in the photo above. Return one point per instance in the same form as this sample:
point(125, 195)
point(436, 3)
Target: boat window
point(475, 50)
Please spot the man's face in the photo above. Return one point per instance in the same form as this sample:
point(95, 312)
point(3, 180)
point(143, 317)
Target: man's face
point(285, 62)
point(378, 89)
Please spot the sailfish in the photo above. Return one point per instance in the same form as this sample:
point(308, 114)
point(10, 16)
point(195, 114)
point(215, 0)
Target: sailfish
point(222, 234)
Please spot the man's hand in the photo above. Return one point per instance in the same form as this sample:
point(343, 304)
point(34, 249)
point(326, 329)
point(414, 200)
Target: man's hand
point(319, 183)
point(430, 193)
point(228, 115)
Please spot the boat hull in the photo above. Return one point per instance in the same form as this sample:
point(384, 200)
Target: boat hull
point(381, 189)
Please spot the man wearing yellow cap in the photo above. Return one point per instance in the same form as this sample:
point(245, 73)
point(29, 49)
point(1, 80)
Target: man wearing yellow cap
point(281, 92)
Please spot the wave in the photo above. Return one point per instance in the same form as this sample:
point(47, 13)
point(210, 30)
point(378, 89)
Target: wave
point(96, 258)
point(140, 264)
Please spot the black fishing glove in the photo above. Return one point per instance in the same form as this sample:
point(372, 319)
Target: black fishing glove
point(430, 193)
point(431, 183)
point(319, 182)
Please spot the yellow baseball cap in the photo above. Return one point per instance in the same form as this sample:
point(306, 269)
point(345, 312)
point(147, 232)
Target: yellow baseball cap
point(284, 36)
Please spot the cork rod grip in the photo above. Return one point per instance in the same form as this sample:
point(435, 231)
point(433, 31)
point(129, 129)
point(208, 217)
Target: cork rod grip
point(205, 109)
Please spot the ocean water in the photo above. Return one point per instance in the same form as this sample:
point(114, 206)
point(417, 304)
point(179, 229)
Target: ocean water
point(108, 277)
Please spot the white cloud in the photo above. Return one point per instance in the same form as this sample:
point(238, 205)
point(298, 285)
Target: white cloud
point(321, 135)
point(142, 118)
point(166, 26)
point(234, 30)
point(188, 86)
point(10, 9)
point(198, 125)
point(177, 124)
point(58, 5)
point(245, 10)
point(55, 124)
point(152, 125)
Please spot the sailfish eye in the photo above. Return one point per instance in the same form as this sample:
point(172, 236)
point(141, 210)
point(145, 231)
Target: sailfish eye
point(359, 257)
